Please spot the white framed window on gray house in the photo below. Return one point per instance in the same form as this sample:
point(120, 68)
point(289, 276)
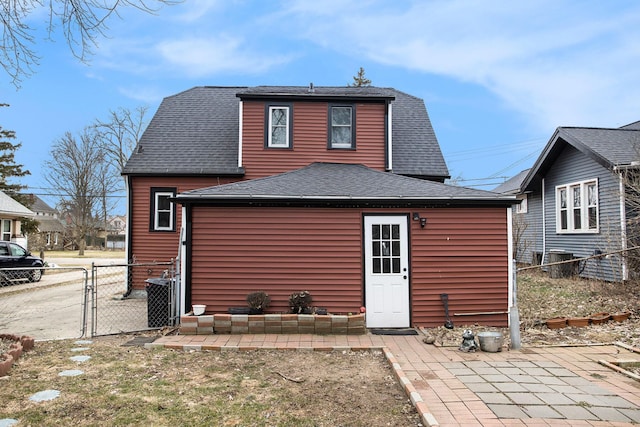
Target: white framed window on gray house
point(341, 127)
point(6, 230)
point(278, 126)
point(577, 208)
point(162, 212)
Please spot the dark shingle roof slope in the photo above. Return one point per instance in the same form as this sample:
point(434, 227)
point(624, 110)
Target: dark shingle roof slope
point(192, 133)
point(610, 147)
point(512, 185)
point(342, 182)
point(196, 132)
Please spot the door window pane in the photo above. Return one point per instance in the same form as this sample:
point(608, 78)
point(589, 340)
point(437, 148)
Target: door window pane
point(386, 248)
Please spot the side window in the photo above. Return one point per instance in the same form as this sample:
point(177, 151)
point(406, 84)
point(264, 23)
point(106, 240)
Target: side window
point(278, 126)
point(6, 230)
point(162, 211)
point(342, 126)
point(577, 207)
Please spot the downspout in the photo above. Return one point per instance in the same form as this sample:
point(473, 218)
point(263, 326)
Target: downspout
point(240, 109)
point(183, 265)
point(544, 222)
point(389, 136)
point(623, 223)
point(514, 315)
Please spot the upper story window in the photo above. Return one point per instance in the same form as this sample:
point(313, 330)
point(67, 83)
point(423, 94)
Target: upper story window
point(163, 216)
point(278, 126)
point(341, 126)
point(577, 207)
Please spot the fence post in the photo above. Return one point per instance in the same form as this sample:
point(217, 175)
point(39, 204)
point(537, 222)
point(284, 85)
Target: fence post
point(514, 316)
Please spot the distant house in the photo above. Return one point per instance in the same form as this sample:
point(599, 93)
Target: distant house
point(116, 232)
point(575, 202)
point(11, 213)
point(50, 235)
point(334, 190)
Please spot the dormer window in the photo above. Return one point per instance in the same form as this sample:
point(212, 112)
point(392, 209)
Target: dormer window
point(341, 127)
point(278, 126)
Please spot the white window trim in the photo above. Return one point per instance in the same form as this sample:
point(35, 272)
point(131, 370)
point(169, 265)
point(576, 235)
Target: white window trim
point(3, 231)
point(156, 211)
point(584, 208)
point(270, 143)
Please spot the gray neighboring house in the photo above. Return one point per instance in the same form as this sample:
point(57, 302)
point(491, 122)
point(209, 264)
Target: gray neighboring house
point(573, 203)
point(51, 229)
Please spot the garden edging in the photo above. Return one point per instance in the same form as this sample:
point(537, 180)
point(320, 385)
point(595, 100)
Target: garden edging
point(273, 324)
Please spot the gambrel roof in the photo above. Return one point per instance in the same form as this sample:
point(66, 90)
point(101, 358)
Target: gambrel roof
point(331, 183)
point(196, 132)
point(609, 147)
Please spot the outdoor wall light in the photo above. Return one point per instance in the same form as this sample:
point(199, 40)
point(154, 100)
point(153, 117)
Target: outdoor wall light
point(423, 221)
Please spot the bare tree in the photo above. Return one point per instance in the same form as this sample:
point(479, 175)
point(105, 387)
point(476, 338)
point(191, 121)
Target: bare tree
point(75, 171)
point(82, 22)
point(120, 134)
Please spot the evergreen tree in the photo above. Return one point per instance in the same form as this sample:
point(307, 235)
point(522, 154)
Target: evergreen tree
point(8, 167)
point(359, 80)
point(8, 170)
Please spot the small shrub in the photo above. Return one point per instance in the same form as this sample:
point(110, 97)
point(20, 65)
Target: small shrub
point(258, 301)
point(300, 302)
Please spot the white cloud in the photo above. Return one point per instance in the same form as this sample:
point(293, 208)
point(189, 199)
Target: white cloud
point(204, 56)
point(556, 63)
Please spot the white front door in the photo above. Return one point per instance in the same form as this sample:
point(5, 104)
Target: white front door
point(386, 271)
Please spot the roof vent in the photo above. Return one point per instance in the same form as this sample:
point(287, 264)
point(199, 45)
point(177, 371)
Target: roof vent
point(311, 89)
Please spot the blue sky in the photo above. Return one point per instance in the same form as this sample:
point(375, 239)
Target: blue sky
point(497, 77)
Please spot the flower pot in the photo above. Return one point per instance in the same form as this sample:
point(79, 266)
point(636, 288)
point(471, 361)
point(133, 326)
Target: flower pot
point(578, 321)
point(198, 309)
point(600, 318)
point(620, 317)
point(557, 322)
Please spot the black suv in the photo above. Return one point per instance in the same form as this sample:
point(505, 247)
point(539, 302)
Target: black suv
point(15, 256)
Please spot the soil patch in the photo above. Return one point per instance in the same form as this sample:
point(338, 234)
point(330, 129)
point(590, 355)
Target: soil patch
point(131, 385)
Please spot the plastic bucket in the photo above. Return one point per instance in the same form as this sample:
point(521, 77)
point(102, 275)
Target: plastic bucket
point(490, 342)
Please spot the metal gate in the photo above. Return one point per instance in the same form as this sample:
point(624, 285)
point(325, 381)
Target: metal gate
point(132, 297)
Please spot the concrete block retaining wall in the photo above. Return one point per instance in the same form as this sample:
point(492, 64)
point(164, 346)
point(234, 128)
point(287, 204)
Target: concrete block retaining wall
point(273, 324)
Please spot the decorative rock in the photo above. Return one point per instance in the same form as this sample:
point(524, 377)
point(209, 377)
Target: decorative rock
point(83, 342)
point(71, 373)
point(429, 339)
point(8, 422)
point(80, 358)
point(77, 349)
point(45, 395)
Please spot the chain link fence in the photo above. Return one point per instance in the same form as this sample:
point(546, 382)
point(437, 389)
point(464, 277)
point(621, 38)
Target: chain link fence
point(73, 302)
point(124, 298)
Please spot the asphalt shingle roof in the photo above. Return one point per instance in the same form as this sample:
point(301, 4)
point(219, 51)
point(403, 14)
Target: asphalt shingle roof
point(609, 147)
point(9, 206)
point(195, 132)
point(336, 181)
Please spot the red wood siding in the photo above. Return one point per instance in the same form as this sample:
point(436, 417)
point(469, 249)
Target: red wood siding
point(161, 246)
point(461, 251)
point(310, 139)
point(278, 250)
point(464, 253)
